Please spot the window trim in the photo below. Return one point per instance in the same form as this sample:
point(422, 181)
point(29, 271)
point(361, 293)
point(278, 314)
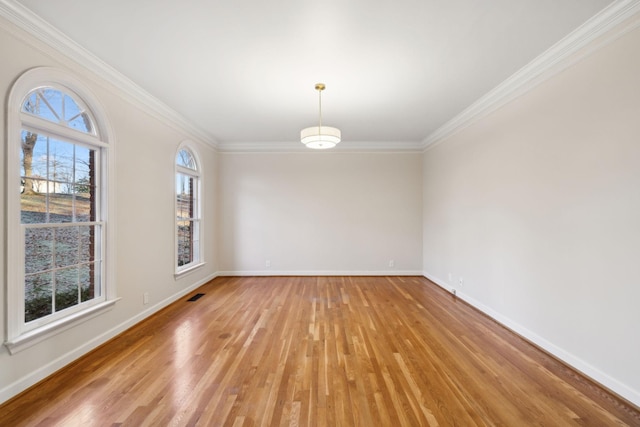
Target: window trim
point(180, 271)
point(19, 337)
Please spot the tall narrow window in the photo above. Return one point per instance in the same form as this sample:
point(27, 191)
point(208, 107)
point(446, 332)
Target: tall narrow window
point(57, 222)
point(187, 211)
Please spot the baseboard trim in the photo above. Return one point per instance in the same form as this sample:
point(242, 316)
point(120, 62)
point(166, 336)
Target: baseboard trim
point(241, 273)
point(589, 371)
point(34, 377)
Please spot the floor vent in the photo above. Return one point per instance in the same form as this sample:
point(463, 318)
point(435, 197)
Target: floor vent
point(195, 297)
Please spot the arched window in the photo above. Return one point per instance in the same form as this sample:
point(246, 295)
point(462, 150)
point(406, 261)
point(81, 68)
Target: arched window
point(188, 224)
point(57, 207)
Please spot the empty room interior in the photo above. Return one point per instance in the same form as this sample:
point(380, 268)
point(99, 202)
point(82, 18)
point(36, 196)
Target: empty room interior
point(384, 213)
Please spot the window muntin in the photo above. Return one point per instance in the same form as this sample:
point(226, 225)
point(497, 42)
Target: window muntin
point(57, 180)
point(187, 210)
point(56, 231)
point(185, 159)
point(62, 270)
point(56, 106)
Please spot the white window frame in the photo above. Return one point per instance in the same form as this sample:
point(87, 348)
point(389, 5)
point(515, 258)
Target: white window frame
point(197, 175)
point(21, 335)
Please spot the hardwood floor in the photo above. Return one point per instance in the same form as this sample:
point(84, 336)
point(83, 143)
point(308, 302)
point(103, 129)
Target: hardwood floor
point(325, 351)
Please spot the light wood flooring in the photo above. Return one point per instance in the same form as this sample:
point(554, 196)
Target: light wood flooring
point(325, 351)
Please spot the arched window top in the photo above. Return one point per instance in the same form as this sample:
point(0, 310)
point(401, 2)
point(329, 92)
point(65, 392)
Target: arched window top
point(60, 107)
point(186, 160)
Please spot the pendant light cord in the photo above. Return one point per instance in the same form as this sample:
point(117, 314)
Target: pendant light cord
point(319, 111)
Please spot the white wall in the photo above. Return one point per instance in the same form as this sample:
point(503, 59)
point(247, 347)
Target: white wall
point(320, 213)
point(537, 207)
point(145, 148)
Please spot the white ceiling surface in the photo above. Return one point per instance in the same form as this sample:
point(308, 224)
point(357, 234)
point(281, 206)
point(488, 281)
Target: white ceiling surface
point(245, 71)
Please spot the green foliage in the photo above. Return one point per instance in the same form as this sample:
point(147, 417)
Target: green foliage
point(36, 308)
point(82, 185)
point(40, 305)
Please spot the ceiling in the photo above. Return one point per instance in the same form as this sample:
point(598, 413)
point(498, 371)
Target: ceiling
point(244, 71)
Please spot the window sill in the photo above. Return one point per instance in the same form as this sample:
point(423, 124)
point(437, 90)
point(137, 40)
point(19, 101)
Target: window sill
point(35, 336)
point(190, 269)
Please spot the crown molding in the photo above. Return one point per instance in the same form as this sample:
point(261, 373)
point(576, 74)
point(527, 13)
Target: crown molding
point(552, 61)
point(555, 59)
point(44, 32)
point(298, 147)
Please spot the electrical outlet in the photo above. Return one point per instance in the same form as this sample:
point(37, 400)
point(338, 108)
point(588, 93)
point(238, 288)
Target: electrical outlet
point(461, 282)
point(145, 298)
point(267, 263)
point(450, 277)
point(392, 263)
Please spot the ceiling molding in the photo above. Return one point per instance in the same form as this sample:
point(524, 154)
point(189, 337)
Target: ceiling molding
point(28, 21)
point(557, 58)
point(298, 147)
point(554, 60)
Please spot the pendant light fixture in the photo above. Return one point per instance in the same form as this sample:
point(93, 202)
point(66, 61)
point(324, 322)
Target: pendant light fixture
point(320, 137)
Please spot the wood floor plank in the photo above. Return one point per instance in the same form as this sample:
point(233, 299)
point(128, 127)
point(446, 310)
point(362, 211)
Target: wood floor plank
point(318, 351)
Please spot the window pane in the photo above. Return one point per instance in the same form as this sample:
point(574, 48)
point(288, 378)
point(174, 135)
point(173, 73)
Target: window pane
point(81, 123)
point(76, 117)
point(32, 160)
point(86, 243)
point(30, 104)
point(84, 180)
point(184, 185)
point(185, 207)
point(61, 156)
point(66, 246)
point(38, 166)
point(185, 242)
point(88, 282)
point(37, 296)
point(39, 186)
point(38, 250)
point(82, 164)
point(52, 99)
point(58, 107)
point(43, 103)
point(66, 288)
point(85, 206)
point(33, 208)
point(184, 196)
point(60, 208)
point(185, 159)
point(59, 175)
